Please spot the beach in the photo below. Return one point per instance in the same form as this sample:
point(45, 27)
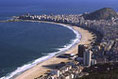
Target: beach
point(41, 68)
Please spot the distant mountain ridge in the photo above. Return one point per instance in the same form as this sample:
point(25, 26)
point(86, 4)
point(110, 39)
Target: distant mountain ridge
point(104, 13)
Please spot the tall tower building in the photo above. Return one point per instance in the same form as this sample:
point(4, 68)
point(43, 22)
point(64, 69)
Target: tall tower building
point(81, 49)
point(87, 58)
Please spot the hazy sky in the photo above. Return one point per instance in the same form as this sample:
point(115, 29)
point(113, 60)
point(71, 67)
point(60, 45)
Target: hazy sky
point(30, 1)
point(85, 5)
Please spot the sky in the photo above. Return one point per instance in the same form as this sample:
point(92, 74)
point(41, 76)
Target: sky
point(51, 1)
point(83, 5)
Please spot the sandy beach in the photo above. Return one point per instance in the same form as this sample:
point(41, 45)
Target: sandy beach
point(42, 68)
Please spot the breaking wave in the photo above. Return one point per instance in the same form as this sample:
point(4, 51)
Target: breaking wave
point(66, 47)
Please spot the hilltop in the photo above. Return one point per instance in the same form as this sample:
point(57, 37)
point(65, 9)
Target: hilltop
point(104, 13)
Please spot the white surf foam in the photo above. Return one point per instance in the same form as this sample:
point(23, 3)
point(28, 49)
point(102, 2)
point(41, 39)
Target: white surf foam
point(25, 67)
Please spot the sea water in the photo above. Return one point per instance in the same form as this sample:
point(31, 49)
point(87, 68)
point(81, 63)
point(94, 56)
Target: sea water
point(24, 44)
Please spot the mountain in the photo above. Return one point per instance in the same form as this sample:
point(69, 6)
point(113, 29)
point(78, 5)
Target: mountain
point(104, 13)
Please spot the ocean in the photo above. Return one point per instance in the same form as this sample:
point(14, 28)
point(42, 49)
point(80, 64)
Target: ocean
point(24, 44)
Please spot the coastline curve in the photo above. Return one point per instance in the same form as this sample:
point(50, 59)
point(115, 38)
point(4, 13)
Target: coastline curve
point(25, 67)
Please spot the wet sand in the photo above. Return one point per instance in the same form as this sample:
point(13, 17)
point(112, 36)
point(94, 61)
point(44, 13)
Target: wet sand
point(42, 68)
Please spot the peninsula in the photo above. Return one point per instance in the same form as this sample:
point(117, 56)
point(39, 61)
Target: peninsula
point(98, 45)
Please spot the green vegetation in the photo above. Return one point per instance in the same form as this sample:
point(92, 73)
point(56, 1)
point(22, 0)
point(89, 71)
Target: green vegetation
point(104, 13)
point(102, 71)
point(102, 75)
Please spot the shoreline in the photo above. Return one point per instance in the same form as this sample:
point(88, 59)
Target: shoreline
point(33, 72)
point(39, 70)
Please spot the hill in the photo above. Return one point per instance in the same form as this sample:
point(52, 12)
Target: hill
point(104, 13)
point(102, 71)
